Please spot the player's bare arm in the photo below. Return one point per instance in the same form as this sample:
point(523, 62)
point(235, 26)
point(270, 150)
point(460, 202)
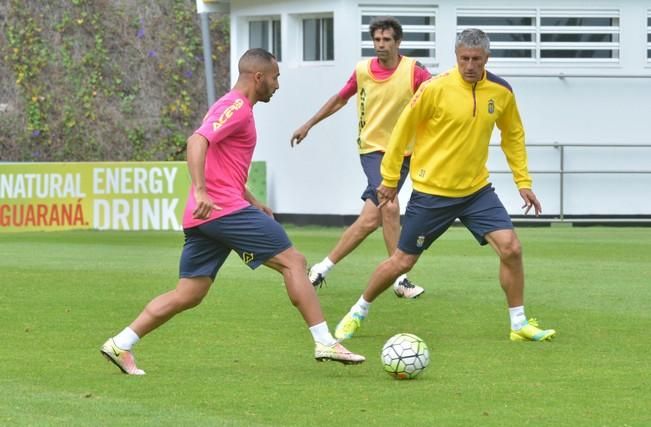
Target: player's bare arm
point(197, 147)
point(331, 106)
point(530, 201)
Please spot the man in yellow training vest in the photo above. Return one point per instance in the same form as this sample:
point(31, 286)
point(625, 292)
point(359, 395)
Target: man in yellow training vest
point(383, 86)
point(452, 118)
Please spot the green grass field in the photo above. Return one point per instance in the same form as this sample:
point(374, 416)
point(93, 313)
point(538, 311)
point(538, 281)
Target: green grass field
point(244, 357)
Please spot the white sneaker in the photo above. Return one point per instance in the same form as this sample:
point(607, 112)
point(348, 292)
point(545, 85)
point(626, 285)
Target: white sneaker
point(316, 278)
point(406, 289)
point(337, 353)
point(123, 359)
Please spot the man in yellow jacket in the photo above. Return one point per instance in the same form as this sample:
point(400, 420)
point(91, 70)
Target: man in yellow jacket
point(452, 117)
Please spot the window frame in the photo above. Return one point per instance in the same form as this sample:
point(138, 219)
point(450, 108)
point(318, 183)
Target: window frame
point(537, 30)
point(614, 30)
point(648, 37)
point(323, 43)
point(272, 42)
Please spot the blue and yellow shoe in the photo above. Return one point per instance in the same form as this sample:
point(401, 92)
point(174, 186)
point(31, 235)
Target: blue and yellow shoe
point(348, 325)
point(531, 332)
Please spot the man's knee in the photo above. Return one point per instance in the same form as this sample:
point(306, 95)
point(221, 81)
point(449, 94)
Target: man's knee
point(289, 259)
point(191, 292)
point(510, 249)
point(190, 301)
point(403, 262)
point(369, 221)
point(391, 210)
point(297, 258)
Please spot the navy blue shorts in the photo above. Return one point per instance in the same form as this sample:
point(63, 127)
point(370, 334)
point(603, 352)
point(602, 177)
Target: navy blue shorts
point(427, 217)
point(371, 164)
point(255, 236)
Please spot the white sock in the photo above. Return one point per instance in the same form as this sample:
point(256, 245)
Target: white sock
point(518, 319)
point(361, 306)
point(399, 279)
point(322, 335)
point(324, 266)
point(126, 339)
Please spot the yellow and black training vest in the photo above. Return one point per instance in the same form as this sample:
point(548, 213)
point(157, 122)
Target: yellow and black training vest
point(380, 102)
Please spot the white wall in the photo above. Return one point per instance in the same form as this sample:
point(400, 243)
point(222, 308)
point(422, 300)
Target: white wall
point(323, 175)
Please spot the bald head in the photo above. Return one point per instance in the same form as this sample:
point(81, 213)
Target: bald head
point(255, 60)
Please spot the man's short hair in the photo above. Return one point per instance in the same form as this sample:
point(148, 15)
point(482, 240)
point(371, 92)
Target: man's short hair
point(473, 38)
point(253, 58)
point(385, 23)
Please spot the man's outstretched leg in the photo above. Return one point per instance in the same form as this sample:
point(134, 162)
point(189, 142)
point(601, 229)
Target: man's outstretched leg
point(367, 222)
point(381, 279)
point(189, 293)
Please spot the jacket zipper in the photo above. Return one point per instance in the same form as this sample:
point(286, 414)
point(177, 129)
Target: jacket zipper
point(474, 100)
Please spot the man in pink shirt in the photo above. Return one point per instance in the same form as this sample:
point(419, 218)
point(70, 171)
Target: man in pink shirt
point(384, 85)
point(222, 215)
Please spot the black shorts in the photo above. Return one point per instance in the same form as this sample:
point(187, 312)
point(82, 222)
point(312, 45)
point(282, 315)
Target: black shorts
point(427, 217)
point(255, 236)
point(371, 163)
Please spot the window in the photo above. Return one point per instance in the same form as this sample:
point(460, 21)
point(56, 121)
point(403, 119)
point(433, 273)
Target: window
point(318, 39)
point(512, 33)
point(265, 33)
point(592, 35)
point(545, 35)
point(418, 27)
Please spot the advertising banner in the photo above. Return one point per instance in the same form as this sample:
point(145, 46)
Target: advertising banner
point(99, 195)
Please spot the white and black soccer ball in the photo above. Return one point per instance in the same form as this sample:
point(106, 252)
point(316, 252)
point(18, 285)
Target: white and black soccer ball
point(405, 356)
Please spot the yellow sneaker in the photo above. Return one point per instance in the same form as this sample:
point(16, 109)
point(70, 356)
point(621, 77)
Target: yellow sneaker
point(337, 353)
point(531, 332)
point(348, 325)
point(123, 359)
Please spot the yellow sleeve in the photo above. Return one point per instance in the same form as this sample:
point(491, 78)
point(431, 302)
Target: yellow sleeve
point(403, 132)
point(513, 145)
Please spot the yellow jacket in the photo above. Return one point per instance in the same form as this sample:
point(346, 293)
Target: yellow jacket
point(452, 122)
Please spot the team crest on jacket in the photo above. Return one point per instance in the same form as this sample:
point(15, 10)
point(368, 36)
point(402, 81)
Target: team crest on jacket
point(491, 106)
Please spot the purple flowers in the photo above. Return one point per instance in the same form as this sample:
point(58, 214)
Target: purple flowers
point(141, 31)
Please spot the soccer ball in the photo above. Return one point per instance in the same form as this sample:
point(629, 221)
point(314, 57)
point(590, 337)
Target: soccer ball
point(404, 356)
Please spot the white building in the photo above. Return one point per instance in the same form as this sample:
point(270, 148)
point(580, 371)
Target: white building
point(581, 72)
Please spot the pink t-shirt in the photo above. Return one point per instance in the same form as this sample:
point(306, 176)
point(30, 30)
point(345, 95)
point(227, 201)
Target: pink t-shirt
point(230, 130)
point(379, 72)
